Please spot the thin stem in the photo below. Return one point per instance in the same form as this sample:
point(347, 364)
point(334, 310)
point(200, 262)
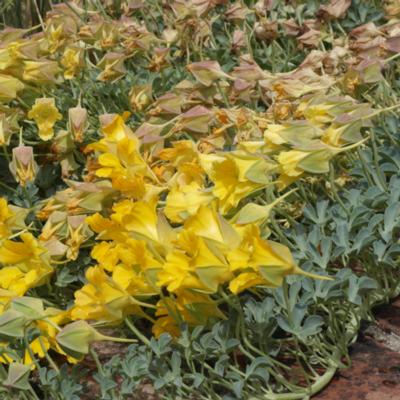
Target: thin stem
point(97, 361)
point(136, 332)
point(39, 15)
point(4, 185)
point(222, 94)
point(334, 191)
point(365, 168)
point(381, 177)
point(35, 396)
point(30, 352)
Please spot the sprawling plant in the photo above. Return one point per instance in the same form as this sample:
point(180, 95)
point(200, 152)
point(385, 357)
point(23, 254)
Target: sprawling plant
point(210, 187)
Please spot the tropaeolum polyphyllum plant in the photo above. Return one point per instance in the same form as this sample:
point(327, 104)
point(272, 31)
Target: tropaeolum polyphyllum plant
point(215, 180)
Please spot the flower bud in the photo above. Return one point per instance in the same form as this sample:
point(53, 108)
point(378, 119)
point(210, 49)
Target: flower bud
point(140, 97)
point(266, 30)
point(77, 233)
point(5, 133)
point(72, 61)
point(18, 377)
point(238, 39)
point(113, 67)
point(237, 12)
point(31, 307)
point(12, 324)
point(170, 35)
point(197, 119)
point(23, 166)
point(206, 72)
point(9, 86)
point(41, 72)
point(77, 122)
point(76, 338)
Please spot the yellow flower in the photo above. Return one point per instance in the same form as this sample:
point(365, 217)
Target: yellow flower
point(138, 217)
point(260, 262)
point(184, 201)
point(72, 60)
point(18, 252)
point(101, 299)
point(319, 114)
point(110, 165)
point(207, 223)
point(273, 136)
point(9, 87)
point(132, 282)
point(114, 128)
point(55, 37)
point(15, 281)
point(77, 234)
point(244, 281)
point(45, 114)
point(141, 257)
point(166, 323)
point(6, 216)
point(178, 273)
point(211, 266)
point(26, 264)
point(7, 58)
point(315, 159)
point(183, 151)
point(289, 162)
point(194, 263)
point(127, 170)
point(106, 228)
point(38, 347)
point(40, 72)
point(235, 175)
point(188, 306)
point(106, 254)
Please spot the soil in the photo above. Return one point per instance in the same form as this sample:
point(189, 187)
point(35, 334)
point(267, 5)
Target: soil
point(375, 370)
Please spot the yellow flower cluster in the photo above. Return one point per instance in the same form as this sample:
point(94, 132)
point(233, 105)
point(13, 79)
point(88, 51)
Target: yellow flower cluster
point(141, 255)
point(25, 263)
point(172, 203)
